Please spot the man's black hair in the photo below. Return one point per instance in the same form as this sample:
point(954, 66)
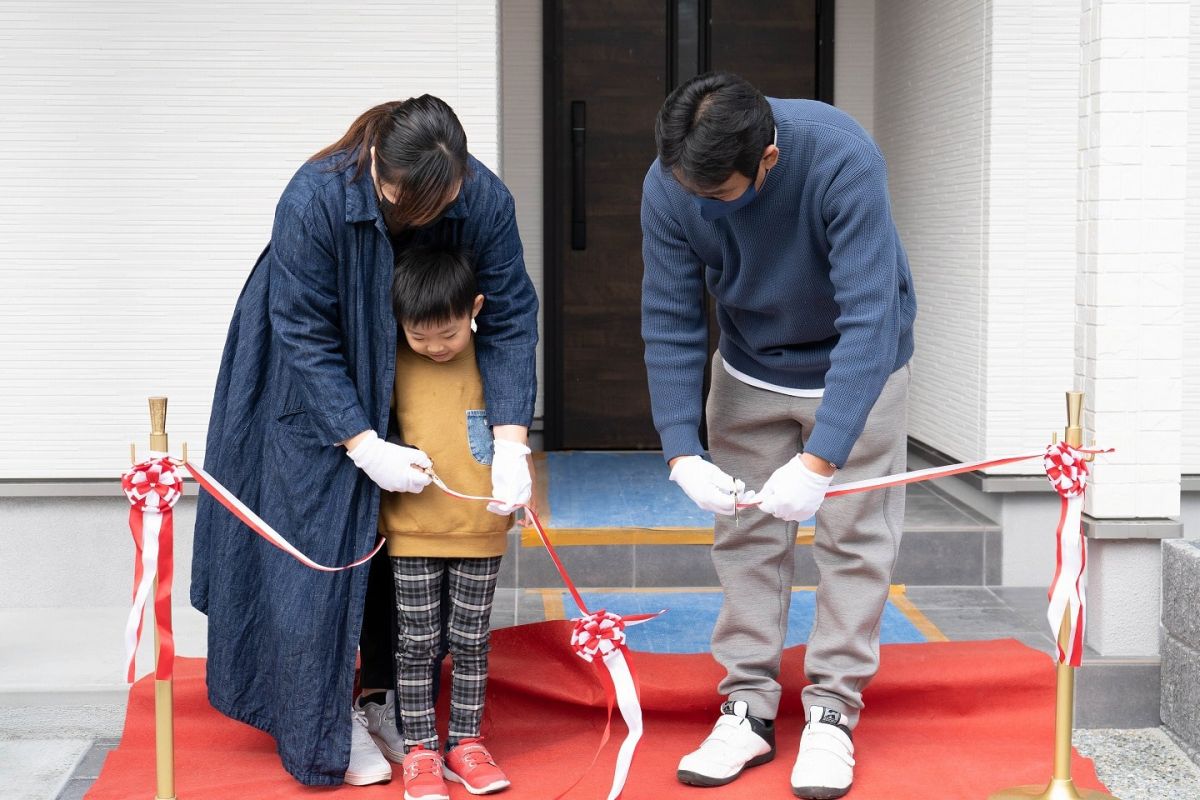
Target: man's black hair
point(433, 284)
point(712, 126)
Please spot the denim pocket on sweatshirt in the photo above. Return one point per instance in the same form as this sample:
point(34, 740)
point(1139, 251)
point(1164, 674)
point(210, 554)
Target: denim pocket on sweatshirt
point(479, 436)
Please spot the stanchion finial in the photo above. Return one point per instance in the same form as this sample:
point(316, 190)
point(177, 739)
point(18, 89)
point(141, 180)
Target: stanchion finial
point(158, 424)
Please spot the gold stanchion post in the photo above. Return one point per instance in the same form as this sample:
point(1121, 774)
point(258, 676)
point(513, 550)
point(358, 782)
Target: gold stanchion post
point(1061, 787)
point(164, 695)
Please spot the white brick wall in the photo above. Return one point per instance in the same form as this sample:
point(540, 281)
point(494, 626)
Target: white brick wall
point(1030, 256)
point(521, 137)
point(1190, 456)
point(142, 149)
point(1133, 133)
point(930, 102)
point(854, 60)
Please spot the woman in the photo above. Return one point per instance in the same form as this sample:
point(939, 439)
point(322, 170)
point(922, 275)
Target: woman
point(306, 376)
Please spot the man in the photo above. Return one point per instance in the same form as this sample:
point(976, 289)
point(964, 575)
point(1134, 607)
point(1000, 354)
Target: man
point(781, 208)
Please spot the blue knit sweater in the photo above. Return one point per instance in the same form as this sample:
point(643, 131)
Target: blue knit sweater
point(811, 282)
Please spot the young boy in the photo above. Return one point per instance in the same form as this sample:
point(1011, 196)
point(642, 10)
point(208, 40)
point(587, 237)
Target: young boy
point(432, 537)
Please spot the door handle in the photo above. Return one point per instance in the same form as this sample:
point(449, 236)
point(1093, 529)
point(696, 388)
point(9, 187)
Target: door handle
point(578, 175)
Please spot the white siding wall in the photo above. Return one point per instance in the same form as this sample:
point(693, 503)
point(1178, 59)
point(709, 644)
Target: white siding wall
point(1191, 267)
point(521, 137)
point(854, 60)
point(1133, 230)
point(1030, 262)
point(142, 149)
point(931, 59)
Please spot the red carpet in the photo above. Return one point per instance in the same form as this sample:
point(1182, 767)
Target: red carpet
point(953, 720)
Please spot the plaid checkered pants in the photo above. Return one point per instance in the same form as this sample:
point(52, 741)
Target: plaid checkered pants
point(472, 584)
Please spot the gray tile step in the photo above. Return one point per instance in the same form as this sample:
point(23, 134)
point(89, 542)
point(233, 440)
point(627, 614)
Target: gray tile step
point(945, 544)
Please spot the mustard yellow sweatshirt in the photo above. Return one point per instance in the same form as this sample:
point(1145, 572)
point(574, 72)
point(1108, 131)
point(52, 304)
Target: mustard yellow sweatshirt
point(440, 409)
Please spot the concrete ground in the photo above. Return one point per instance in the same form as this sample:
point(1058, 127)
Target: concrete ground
point(59, 717)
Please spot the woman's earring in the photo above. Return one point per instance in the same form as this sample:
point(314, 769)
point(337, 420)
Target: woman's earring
point(474, 327)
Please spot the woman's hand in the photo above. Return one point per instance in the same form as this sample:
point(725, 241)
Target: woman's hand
point(394, 467)
point(512, 482)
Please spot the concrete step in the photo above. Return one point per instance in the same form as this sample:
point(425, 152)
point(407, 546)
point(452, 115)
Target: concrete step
point(945, 543)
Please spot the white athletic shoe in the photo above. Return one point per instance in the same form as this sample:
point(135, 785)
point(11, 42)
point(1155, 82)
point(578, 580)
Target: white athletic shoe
point(824, 766)
point(736, 742)
point(367, 764)
point(381, 723)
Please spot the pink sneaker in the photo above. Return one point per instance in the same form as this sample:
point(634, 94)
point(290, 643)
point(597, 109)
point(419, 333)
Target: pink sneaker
point(472, 765)
point(423, 776)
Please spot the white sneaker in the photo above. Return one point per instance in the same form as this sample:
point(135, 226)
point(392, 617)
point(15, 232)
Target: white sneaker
point(367, 764)
point(824, 766)
point(381, 722)
point(736, 742)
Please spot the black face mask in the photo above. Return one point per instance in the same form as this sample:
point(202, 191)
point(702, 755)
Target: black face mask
point(396, 226)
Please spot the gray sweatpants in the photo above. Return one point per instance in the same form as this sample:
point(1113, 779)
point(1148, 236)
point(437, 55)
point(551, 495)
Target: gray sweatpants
point(751, 432)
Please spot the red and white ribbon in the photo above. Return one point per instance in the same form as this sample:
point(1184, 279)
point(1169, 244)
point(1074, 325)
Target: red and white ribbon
point(605, 632)
point(259, 526)
point(1067, 469)
point(153, 488)
point(598, 638)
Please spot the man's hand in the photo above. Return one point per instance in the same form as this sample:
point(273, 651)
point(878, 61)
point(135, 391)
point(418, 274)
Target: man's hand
point(709, 487)
point(795, 491)
point(394, 467)
point(512, 482)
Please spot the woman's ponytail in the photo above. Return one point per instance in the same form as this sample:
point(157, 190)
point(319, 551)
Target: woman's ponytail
point(363, 134)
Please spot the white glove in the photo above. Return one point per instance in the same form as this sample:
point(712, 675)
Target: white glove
point(511, 481)
point(394, 467)
point(706, 484)
point(794, 492)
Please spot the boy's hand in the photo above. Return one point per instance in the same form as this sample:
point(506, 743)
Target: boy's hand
point(512, 483)
point(394, 467)
point(704, 482)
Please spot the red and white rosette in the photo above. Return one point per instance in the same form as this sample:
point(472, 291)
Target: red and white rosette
point(153, 487)
point(599, 638)
point(1067, 469)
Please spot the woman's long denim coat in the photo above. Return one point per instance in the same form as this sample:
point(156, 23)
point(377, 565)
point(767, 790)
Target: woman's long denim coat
point(309, 362)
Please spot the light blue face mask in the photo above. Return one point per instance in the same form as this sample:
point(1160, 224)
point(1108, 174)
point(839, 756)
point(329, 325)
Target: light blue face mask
point(711, 208)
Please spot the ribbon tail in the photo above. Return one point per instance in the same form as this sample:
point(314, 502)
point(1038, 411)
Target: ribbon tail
point(145, 527)
point(625, 685)
point(164, 666)
point(1066, 591)
point(1078, 604)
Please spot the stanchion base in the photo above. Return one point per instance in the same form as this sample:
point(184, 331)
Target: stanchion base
point(1056, 790)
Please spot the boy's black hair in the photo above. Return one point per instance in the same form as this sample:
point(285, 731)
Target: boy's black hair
point(712, 126)
point(432, 284)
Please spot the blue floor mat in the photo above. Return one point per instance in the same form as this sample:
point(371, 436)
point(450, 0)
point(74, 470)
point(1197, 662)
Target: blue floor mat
point(688, 624)
point(617, 490)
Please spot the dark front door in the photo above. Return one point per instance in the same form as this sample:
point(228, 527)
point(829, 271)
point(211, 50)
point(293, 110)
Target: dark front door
point(609, 66)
